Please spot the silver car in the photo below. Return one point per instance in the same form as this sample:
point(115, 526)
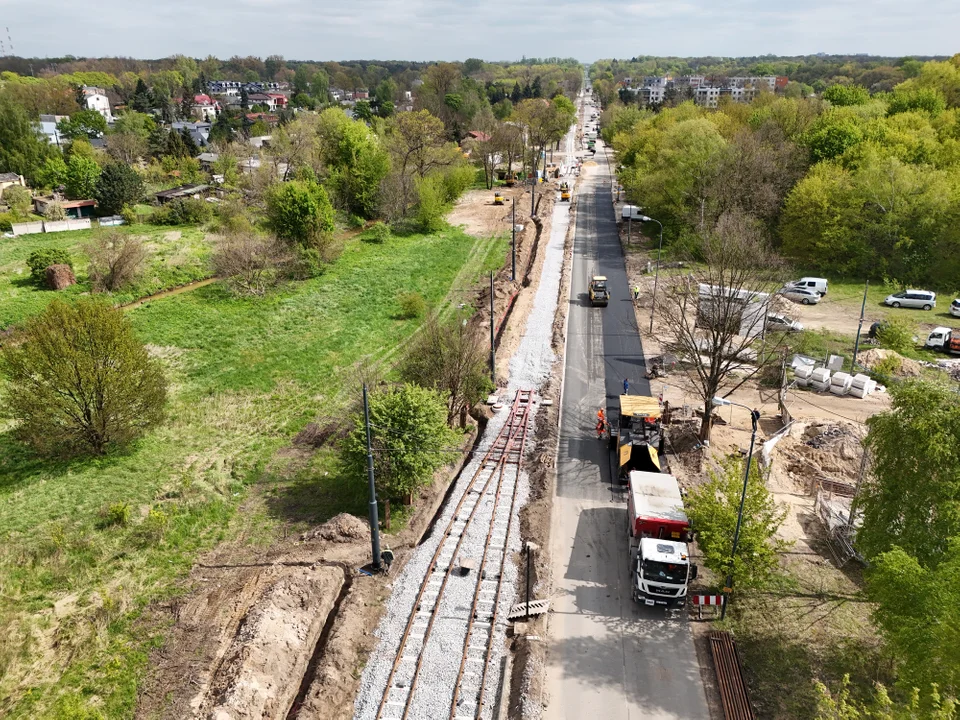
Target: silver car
point(922, 299)
point(955, 308)
point(801, 295)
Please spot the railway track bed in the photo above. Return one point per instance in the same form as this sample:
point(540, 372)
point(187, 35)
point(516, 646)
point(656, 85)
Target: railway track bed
point(443, 637)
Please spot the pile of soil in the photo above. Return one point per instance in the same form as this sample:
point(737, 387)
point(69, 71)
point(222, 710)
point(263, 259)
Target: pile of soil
point(823, 449)
point(908, 368)
point(340, 529)
point(60, 277)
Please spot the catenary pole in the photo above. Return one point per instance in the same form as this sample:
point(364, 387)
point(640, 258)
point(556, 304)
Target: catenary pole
point(374, 515)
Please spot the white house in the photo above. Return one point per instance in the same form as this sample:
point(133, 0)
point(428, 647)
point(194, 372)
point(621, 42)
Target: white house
point(96, 99)
point(48, 126)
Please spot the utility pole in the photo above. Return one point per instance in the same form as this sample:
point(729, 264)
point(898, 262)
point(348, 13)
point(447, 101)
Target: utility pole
point(856, 344)
point(374, 515)
point(493, 347)
point(629, 227)
point(513, 242)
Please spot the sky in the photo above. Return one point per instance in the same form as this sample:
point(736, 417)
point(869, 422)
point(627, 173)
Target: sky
point(456, 29)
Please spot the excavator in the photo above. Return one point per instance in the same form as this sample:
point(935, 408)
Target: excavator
point(498, 198)
point(564, 191)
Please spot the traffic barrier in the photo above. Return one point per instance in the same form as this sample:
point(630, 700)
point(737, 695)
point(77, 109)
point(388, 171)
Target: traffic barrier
point(700, 601)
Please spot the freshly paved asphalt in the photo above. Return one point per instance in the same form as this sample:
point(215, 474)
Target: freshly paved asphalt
point(608, 657)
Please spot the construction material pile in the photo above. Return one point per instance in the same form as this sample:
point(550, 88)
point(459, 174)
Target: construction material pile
point(839, 383)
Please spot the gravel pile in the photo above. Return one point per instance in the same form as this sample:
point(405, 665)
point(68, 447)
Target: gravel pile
point(529, 369)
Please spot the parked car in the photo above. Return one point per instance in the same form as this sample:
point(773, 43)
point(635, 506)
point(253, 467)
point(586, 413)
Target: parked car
point(801, 295)
point(777, 321)
point(923, 299)
point(818, 285)
point(955, 308)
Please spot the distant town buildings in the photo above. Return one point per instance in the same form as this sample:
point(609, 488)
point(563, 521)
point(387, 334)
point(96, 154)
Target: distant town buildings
point(704, 91)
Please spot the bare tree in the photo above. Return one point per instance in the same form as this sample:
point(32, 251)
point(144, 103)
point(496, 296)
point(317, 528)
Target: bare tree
point(715, 316)
point(449, 356)
point(116, 260)
point(251, 263)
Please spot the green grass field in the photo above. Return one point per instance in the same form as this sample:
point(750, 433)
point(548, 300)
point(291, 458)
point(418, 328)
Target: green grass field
point(85, 546)
point(177, 256)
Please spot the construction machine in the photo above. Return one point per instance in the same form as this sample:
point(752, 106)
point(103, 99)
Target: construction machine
point(636, 436)
point(510, 180)
point(599, 295)
point(564, 192)
point(498, 198)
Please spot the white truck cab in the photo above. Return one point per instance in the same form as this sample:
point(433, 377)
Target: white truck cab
point(939, 338)
point(661, 573)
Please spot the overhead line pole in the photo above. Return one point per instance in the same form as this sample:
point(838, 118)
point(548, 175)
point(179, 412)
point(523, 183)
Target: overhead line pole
point(493, 347)
point(374, 515)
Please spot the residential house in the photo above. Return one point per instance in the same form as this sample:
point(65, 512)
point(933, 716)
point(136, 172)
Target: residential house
point(707, 96)
point(96, 99)
point(48, 126)
point(207, 160)
point(279, 101)
point(73, 208)
point(199, 131)
point(181, 192)
point(260, 141)
point(205, 108)
point(361, 94)
point(9, 180)
point(268, 119)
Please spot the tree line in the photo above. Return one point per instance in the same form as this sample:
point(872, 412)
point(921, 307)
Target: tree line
point(850, 183)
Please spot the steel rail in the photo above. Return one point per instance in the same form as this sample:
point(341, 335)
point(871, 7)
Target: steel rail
point(493, 460)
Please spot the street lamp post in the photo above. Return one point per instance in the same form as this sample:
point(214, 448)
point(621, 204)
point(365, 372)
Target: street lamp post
point(754, 417)
point(656, 277)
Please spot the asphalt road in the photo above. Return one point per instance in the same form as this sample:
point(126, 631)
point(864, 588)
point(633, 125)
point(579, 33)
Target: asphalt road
point(608, 657)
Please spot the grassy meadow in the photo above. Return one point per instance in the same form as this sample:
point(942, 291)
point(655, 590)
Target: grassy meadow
point(86, 545)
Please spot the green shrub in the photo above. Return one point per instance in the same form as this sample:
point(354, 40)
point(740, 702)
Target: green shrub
point(309, 263)
point(895, 335)
point(6, 222)
point(412, 305)
point(379, 232)
point(115, 514)
point(154, 525)
point(40, 260)
point(188, 211)
point(887, 368)
point(129, 215)
point(356, 222)
point(431, 207)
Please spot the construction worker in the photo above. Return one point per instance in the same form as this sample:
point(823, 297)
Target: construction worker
point(636, 293)
point(626, 386)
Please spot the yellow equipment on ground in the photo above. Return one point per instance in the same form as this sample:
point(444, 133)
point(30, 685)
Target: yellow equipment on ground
point(564, 192)
point(498, 199)
point(599, 295)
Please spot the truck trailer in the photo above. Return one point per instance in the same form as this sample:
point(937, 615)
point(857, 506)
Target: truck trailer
point(659, 532)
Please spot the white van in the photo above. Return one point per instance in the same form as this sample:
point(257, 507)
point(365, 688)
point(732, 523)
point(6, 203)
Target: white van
point(818, 285)
point(923, 299)
point(632, 212)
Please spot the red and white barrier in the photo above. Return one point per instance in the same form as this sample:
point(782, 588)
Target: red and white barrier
point(707, 599)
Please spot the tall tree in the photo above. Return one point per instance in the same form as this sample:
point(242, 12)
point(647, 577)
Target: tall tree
point(449, 356)
point(913, 499)
point(80, 381)
point(23, 149)
point(713, 508)
point(714, 317)
point(417, 144)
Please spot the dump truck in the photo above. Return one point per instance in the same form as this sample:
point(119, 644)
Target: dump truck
point(599, 295)
point(636, 436)
point(658, 533)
